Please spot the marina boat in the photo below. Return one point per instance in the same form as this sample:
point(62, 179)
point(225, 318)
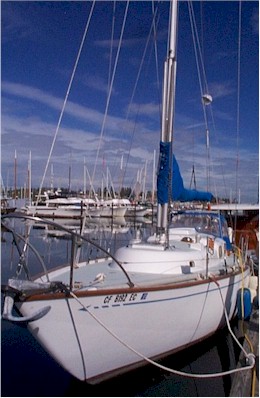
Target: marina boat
point(111, 208)
point(73, 207)
point(131, 209)
point(104, 315)
point(138, 210)
point(69, 208)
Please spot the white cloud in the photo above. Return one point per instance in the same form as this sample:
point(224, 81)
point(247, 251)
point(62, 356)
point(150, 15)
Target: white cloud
point(220, 90)
point(25, 131)
point(98, 84)
point(113, 124)
point(149, 109)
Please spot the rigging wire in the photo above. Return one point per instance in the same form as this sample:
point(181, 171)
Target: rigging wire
point(152, 28)
point(111, 44)
point(26, 241)
point(66, 99)
point(202, 83)
point(156, 59)
point(199, 56)
point(110, 92)
point(202, 33)
point(238, 106)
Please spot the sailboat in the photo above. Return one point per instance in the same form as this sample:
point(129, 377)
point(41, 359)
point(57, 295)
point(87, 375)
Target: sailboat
point(105, 316)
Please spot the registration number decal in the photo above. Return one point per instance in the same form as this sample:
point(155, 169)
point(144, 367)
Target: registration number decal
point(124, 298)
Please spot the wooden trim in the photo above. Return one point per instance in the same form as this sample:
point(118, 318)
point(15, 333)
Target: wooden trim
point(135, 289)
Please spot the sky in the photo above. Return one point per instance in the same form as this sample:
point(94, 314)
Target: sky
point(105, 122)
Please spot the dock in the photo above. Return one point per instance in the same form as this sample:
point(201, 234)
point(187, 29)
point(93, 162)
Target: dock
point(246, 383)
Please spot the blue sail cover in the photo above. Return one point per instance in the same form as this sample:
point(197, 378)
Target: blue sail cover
point(178, 191)
point(182, 194)
point(163, 173)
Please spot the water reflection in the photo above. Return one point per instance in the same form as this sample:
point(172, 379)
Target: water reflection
point(54, 245)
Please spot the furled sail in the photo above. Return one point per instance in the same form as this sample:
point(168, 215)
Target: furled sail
point(182, 194)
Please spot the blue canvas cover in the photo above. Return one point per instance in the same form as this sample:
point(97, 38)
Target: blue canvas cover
point(182, 194)
point(163, 175)
point(178, 191)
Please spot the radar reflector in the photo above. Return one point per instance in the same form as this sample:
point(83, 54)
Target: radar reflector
point(206, 99)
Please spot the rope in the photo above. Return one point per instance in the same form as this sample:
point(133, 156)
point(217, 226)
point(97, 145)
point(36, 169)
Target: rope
point(250, 357)
point(253, 385)
point(226, 316)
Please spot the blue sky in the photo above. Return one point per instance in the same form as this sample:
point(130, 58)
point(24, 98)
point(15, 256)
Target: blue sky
point(40, 43)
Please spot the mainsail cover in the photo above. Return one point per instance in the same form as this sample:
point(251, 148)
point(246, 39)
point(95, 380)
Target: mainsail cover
point(163, 175)
point(178, 192)
point(182, 194)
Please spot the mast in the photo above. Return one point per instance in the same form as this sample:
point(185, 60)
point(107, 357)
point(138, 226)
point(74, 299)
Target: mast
point(144, 182)
point(84, 179)
point(30, 178)
point(15, 176)
point(153, 177)
point(165, 158)
point(69, 187)
point(52, 179)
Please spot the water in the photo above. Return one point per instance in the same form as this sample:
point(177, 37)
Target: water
point(27, 370)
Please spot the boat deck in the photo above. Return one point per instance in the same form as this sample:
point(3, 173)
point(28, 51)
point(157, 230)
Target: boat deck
point(99, 275)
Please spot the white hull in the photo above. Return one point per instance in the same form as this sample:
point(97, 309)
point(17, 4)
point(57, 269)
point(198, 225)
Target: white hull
point(54, 212)
point(153, 320)
point(112, 211)
point(66, 212)
point(73, 212)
